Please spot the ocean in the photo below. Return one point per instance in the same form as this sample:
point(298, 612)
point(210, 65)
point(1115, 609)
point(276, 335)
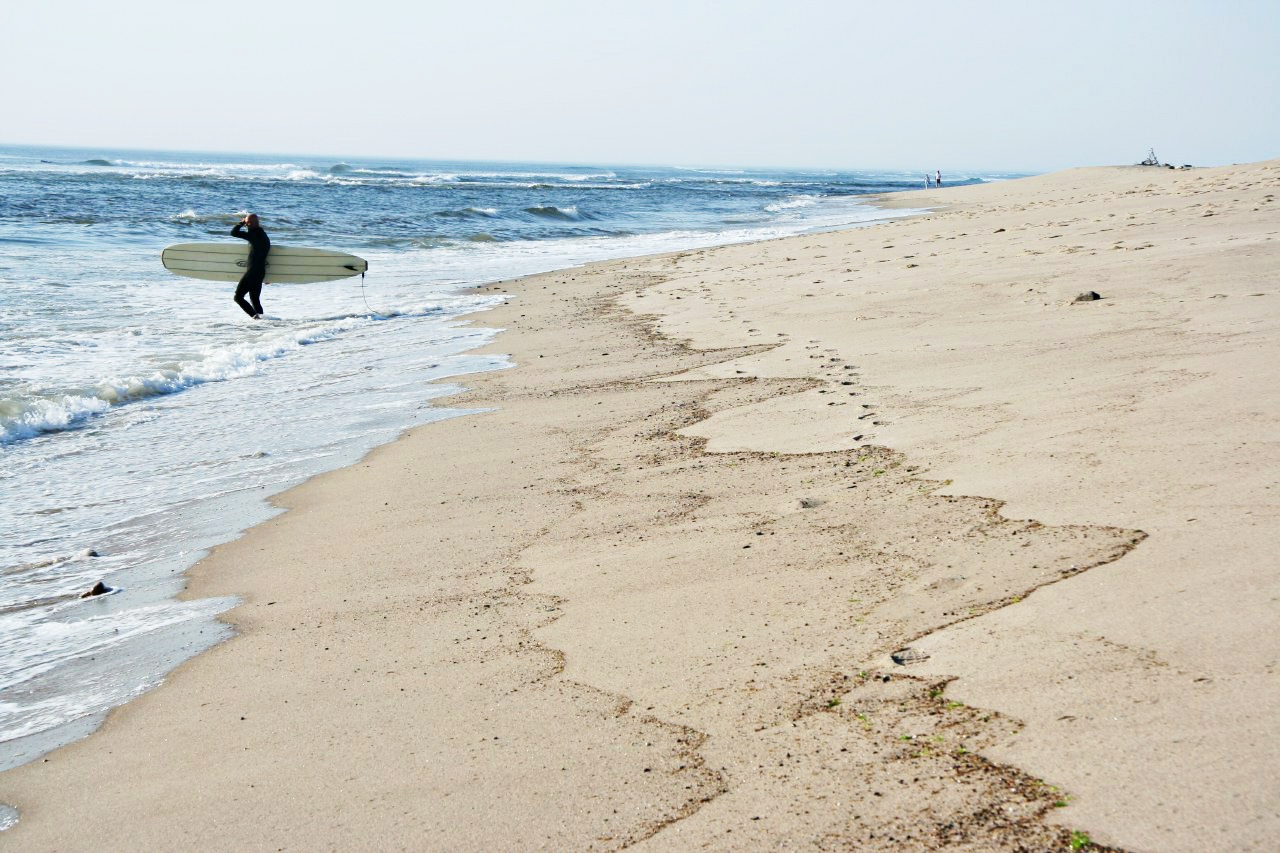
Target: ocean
point(145, 419)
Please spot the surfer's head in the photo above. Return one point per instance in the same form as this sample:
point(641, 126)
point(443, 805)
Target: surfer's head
point(252, 220)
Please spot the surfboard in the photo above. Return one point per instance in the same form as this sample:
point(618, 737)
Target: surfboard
point(285, 264)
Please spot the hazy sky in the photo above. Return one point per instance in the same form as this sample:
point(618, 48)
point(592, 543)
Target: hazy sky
point(1026, 85)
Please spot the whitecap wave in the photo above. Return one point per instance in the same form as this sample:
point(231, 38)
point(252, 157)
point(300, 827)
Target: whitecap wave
point(36, 413)
point(551, 211)
point(27, 418)
point(468, 213)
point(710, 171)
point(191, 216)
point(428, 180)
point(792, 203)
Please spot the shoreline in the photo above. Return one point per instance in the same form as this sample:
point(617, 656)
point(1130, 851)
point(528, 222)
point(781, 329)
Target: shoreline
point(697, 523)
point(255, 510)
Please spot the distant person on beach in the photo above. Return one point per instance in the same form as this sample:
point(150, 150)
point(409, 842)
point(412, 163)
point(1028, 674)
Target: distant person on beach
point(938, 180)
point(251, 281)
point(928, 180)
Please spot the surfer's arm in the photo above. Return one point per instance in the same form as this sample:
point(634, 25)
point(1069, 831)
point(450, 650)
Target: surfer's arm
point(238, 231)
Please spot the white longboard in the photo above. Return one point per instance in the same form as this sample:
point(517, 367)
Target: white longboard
point(285, 264)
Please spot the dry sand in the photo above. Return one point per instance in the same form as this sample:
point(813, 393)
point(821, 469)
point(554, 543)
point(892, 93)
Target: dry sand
point(651, 597)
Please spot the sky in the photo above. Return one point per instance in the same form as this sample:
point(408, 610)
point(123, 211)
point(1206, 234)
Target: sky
point(1002, 86)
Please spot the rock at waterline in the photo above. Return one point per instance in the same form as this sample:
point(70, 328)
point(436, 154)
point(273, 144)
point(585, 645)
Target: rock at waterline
point(99, 588)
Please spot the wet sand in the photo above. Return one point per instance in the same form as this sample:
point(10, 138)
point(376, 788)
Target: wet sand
point(871, 539)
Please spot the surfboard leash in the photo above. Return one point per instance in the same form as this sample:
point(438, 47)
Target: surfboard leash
point(364, 298)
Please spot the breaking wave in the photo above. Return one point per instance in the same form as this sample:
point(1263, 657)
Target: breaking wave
point(35, 413)
point(550, 211)
point(792, 203)
point(468, 213)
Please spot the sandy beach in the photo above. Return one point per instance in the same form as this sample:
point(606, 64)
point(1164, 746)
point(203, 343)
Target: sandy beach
point(874, 539)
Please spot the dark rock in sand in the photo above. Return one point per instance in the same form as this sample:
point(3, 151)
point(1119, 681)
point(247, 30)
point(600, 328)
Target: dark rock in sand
point(99, 588)
point(1088, 296)
point(810, 503)
point(908, 656)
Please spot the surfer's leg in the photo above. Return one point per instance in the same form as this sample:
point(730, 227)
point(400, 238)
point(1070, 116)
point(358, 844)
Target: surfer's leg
point(241, 290)
point(255, 296)
point(251, 285)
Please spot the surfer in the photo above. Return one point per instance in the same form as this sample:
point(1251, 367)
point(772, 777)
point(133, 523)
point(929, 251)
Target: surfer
point(251, 281)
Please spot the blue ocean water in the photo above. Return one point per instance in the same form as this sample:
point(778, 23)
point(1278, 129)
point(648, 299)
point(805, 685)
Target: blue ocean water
point(144, 418)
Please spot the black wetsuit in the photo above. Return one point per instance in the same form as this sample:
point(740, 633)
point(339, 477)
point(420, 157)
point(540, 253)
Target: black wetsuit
point(251, 281)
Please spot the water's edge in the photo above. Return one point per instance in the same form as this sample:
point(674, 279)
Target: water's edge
point(171, 650)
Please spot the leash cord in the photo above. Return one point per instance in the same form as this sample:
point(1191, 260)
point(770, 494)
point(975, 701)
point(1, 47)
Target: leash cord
point(365, 299)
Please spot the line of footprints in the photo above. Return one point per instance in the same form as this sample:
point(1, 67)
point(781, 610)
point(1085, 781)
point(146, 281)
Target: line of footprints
point(846, 374)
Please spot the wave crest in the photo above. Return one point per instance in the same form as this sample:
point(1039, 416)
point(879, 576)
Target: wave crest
point(791, 203)
point(33, 414)
point(468, 213)
point(550, 211)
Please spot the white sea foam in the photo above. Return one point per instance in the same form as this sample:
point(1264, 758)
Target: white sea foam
point(710, 171)
point(27, 418)
point(427, 180)
point(569, 177)
point(35, 644)
point(43, 412)
point(34, 649)
point(551, 211)
point(792, 202)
